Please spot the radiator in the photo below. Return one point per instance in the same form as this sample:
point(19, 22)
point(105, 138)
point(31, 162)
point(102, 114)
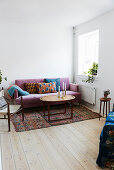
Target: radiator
point(88, 94)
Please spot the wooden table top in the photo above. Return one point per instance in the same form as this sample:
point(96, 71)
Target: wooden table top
point(105, 99)
point(54, 98)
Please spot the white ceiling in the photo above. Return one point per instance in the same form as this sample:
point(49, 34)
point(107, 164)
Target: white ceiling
point(67, 12)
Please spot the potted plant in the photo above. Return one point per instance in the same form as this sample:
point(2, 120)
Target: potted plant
point(91, 73)
point(1, 77)
point(106, 93)
point(94, 68)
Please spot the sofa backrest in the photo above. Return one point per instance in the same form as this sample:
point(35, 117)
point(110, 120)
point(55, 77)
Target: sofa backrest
point(21, 82)
point(65, 80)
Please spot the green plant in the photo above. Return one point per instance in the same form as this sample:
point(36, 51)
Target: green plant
point(91, 72)
point(93, 69)
point(1, 77)
point(106, 93)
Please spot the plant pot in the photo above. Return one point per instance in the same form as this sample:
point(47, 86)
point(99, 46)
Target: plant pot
point(105, 95)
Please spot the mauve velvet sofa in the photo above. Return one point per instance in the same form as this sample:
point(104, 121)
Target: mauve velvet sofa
point(33, 100)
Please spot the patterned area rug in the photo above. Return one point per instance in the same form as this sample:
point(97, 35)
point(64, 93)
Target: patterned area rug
point(34, 118)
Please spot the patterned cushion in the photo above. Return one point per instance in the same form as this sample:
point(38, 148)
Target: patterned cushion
point(57, 80)
point(46, 87)
point(31, 88)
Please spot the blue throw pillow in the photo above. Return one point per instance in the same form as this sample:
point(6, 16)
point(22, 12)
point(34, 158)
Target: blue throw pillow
point(54, 80)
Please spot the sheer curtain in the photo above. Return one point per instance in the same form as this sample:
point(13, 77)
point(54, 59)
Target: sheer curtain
point(88, 50)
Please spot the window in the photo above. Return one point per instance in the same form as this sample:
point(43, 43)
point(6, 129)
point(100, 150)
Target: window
point(88, 50)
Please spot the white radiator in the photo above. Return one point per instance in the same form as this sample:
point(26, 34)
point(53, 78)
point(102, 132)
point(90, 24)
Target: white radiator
point(88, 94)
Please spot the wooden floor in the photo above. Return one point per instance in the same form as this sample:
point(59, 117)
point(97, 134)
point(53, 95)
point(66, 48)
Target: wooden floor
point(66, 147)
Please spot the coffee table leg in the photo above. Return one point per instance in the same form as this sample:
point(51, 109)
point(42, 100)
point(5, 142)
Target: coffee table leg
point(44, 108)
point(65, 107)
point(48, 112)
point(71, 109)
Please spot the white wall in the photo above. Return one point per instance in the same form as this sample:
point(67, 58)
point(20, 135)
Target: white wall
point(105, 79)
point(35, 51)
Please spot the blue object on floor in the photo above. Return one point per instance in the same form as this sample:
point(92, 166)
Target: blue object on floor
point(106, 146)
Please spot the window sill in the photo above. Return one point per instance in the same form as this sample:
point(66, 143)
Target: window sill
point(84, 76)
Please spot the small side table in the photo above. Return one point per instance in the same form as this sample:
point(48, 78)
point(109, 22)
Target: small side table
point(107, 101)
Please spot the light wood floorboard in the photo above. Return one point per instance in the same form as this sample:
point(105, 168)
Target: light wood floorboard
point(72, 146)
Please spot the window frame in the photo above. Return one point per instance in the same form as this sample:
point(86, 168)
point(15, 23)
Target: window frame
point(81, 36)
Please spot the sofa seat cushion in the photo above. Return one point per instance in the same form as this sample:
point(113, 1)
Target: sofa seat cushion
point(76, 94)
point(33, 100)
point(46, 87)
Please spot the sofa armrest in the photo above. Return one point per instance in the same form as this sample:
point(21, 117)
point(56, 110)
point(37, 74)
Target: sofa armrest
point(74, 87)
point(16, 94)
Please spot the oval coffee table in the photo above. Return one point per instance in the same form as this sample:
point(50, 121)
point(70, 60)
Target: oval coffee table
point(47, 100)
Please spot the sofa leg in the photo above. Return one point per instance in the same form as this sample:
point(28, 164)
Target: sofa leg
point(79, 103)
point(22, 108)
point(44, 108)
point(22, 115)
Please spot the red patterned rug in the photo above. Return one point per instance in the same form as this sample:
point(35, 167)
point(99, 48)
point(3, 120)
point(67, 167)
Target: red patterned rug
point(34, 118)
